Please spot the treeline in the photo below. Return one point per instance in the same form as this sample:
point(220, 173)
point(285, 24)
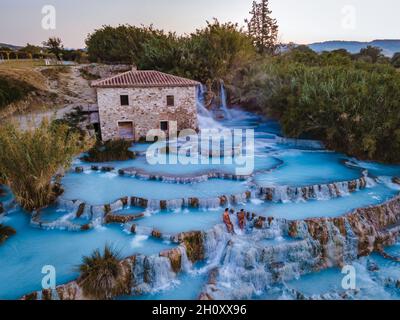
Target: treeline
point(210, 53)
point(350, 101)
point(52, 48)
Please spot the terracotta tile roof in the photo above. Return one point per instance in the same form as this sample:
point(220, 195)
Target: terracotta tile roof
point(143, 78)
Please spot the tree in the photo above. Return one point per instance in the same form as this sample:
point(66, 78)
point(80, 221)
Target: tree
point(396, 60)
point(262, 28)
point(30, 159)
point(54, 46)
point(100, 274)
point(122, 44)
point(371, 53)
point(32, 51)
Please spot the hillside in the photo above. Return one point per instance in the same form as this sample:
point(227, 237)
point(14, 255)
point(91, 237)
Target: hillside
point(11, 46)
point(390, 47)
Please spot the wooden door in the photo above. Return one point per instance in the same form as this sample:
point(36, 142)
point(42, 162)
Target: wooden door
point(125, 130)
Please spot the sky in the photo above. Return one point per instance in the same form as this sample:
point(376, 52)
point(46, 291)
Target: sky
point(300, 21)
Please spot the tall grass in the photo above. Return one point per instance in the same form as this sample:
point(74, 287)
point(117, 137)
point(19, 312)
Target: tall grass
point(100, 274)
point(29, 160)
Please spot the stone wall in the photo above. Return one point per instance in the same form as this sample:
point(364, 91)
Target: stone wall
point(147, 107)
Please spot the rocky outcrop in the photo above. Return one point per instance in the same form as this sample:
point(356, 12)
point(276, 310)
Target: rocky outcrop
point(115, 218)
point(362, 231)
point(78, 169)
point(193, 242)
point(175, 256)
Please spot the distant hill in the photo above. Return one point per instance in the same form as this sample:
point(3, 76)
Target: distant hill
point(11, 46)
point(389, 47)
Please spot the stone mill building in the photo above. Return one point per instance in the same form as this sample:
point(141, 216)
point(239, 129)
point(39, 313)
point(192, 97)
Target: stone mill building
point(133, 102)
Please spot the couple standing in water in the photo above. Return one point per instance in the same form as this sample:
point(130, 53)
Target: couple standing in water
point(227, 220)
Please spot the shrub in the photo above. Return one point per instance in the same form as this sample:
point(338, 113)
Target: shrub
point(12, 90)
point(112, 150)
point(352, 105)
point(29, 159)
point(100, 274)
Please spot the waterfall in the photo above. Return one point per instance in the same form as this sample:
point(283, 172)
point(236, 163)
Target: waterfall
point(259, 265)
point(224, 104)
point(287, 194)
point(204, 116)
point(186, 265)
point(209, 203)
point(388, 182)
point(151, 274)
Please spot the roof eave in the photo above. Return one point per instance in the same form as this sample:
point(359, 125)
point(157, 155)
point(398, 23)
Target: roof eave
point(147, 86)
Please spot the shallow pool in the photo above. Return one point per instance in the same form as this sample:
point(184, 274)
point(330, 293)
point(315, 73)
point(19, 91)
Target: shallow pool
point(24, 255)
point(181, 220)
point(98, 188)
point(322, 208)
point(304, 168)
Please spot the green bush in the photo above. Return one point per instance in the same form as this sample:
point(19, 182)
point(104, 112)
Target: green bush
point(112, 150)
point(100, 274)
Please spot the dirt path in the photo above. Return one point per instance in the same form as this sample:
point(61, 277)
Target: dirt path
point(72, 88)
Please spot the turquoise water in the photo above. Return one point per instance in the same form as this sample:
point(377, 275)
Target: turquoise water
point(186, 286)
point(100, 188)
point(180, 221)
point(322, 208)
point(303, 168)
point(377, 283)
point(278, 162)
point(175, 168)
point(24, 255)
point(378, 169)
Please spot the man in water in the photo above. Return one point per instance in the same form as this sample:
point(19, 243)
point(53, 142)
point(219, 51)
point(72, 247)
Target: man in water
point(227, 221)
point(241, 219)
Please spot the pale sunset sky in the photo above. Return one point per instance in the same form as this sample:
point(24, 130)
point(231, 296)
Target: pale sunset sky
point(300, 21)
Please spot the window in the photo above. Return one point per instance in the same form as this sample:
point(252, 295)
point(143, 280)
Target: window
point(124, 100)
point(170, 101)
point(164, 125)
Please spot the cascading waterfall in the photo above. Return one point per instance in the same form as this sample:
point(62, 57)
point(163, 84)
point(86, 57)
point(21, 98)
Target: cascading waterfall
point(388, 182)
point(186, 265)
point(287, 194)
point(151, 274)
point(224, 103)
point(204, 116)
point(259, 265)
